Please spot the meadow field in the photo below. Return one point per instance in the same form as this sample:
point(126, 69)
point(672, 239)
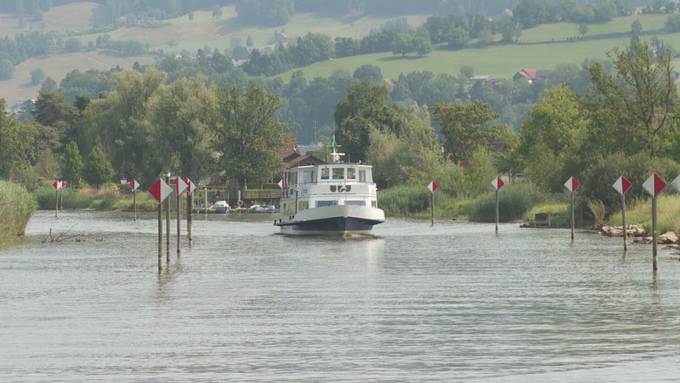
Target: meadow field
point(499, 61)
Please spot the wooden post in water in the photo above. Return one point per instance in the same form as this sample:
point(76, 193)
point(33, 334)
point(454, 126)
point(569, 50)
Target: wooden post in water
point(654, 264)
point(160, 236)
point(189, 213)
point(56, 203)
point(498, 213)
point(134, 202)
point(625, 224)
point(61, 199)
point(167, 224)
point(179, 218)
point(432, 209)
point(654, 186)
point(573, 216)
point(206, 202)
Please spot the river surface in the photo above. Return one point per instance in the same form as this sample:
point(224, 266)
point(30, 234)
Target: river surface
point(449, 303)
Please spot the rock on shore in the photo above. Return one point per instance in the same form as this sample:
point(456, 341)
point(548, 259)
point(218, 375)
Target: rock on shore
point(617, 231)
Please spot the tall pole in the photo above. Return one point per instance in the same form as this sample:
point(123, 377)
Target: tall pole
point(189, 213)
point(167, 224)
point(623, 216)
point(56, 203)
point(179, 217)
point(573, 216)
point(134, 202)
point(654, 265)
point(497, 211)
point(61, 199)
point(432, 209)
point(160, 236)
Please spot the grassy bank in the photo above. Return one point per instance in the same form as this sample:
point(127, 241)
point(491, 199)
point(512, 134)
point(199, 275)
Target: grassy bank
point(517, 202)
point(640, 212)
point(16, 208)
point(109, 198)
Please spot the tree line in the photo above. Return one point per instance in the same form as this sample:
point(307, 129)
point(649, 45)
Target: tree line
point(145, 127)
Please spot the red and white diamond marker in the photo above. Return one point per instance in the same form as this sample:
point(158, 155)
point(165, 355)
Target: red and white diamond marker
point(622, 185)
point(433, 186)
point(160, 190)
point(572, 184)
point(283, 184)
point(497, 183)
point(58, 184)
point(134, 185)
point(654, 185)
point(178, 185)
point(191, 187)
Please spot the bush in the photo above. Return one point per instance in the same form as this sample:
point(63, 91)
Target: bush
point(405, 200)
point(515, 201)
point(599, 178)
point(16, 208)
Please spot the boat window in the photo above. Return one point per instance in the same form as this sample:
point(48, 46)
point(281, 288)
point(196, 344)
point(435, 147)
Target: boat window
point(292, 178)
point(351, 173)
point(308, 177)
point(355, 203)
point(374, 203)
point(334, 188)
point(338, 173)
point(326, 203)
point(325, 173)
point(362, 176)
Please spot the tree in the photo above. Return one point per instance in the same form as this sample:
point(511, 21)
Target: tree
point(553, 137)
point(182, 115)
point(509, 29)
point(37, 76)
point(457, 38)
point(73, 164)
point(422, 45)
point(370, 73)
point(99, 170)
point(636, 29)
point(49, 85)
point(248, 133)
point(366, 108)
point(583, 29)
point(641, 97)
point(465, 127)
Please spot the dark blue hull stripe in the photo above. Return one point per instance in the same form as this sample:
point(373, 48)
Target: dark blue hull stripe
point(334, 224)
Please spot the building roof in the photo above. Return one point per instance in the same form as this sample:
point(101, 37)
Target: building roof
point(531, 74)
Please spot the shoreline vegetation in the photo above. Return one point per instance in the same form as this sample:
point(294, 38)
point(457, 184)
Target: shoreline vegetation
point(16, 208)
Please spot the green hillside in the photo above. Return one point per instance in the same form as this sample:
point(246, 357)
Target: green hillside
point(500, 61)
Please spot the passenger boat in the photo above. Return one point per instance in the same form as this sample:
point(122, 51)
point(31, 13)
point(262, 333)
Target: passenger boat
point(329, 199)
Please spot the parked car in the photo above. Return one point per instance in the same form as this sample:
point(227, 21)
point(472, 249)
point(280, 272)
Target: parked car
point(220, 207)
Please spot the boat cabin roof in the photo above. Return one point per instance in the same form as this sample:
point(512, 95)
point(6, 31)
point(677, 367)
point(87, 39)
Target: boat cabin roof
point(330, 173)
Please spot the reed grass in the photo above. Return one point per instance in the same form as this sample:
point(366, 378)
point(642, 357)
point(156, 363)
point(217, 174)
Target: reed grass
point(104, 199)
point(16, 209)
point(640, 212)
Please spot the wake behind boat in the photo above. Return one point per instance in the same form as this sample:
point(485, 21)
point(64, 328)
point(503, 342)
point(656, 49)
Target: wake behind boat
point(329, 199)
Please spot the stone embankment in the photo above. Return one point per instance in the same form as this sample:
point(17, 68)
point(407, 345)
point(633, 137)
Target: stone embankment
point(640, 235)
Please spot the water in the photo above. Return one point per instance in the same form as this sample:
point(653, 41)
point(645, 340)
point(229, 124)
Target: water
point(453, 303)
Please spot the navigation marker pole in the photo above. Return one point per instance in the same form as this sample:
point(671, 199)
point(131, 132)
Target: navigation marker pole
point(654, 186)
point(160, 192)
point(433, 186)
point(57, 185)
point(190, 206)
point(180, 186)
point(134, 185)
point(167, 224)
point(572, 185)
point(497, 184)
point(623, 185)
